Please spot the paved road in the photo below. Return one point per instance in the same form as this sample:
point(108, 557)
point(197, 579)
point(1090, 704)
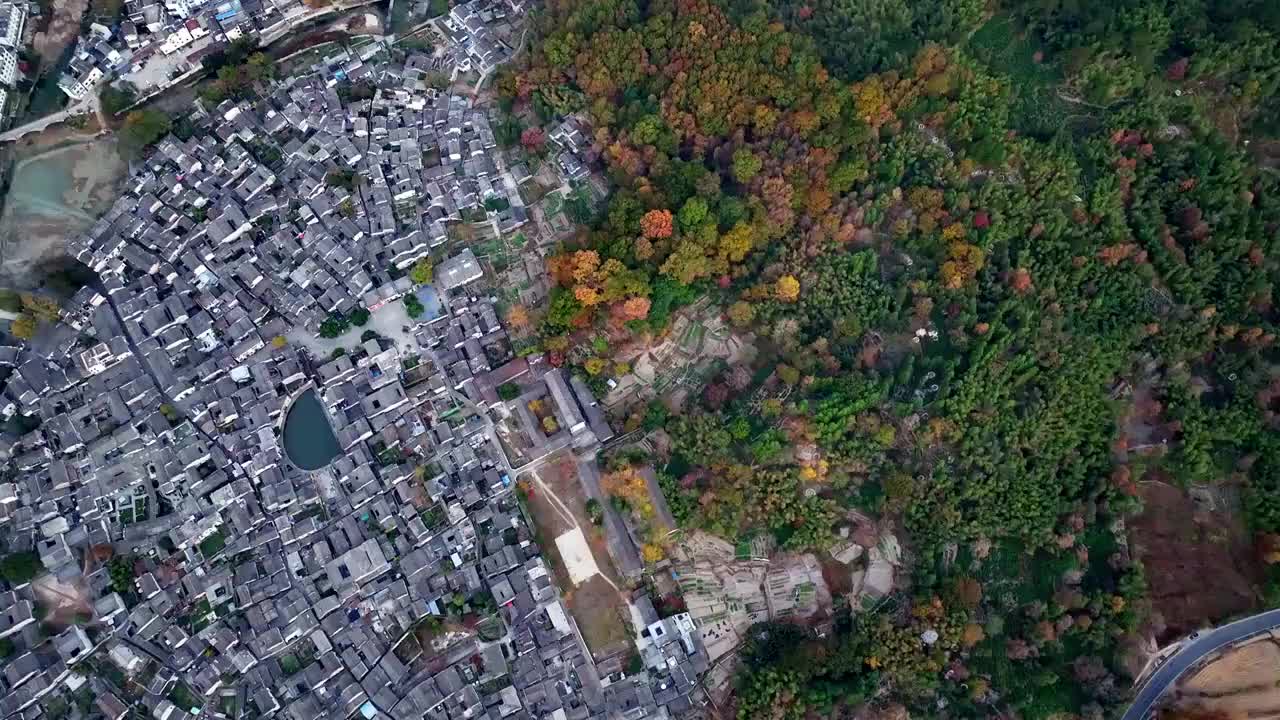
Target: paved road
point(390, 321)
point(1192, 652)
point(625, 555)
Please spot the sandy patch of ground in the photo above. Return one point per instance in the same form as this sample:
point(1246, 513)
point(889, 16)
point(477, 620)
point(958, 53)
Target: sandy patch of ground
point(64, 26)
point(1249, 667)
point(1242, 683)
point(359, 24)
point(93, 175)
point(66, 602)
point(578, 560)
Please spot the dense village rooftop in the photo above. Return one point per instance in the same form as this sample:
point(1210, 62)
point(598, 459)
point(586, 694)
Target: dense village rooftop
point(157, 483)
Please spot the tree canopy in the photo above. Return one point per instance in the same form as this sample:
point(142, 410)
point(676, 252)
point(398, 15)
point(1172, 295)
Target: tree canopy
point(999, 265)
point(20, 567)
point(142, 128)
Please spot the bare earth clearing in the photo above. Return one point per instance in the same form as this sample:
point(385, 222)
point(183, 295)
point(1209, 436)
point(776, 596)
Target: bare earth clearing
point(1186, 549)
point(63, 28)
point(558, 505)
point(1242, 683)
point(55, 194)
point(66, 601)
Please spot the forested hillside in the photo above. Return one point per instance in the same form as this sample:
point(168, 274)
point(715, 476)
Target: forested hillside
point(1007, 264)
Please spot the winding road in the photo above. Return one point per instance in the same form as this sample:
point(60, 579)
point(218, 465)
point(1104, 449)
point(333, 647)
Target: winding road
point(1192, 652)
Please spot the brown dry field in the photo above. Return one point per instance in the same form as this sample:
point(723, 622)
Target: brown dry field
point(66, 601)
point(1186, 550)
point(601, 613)
point(601, 616)
point(547, 515)
point(560, 473)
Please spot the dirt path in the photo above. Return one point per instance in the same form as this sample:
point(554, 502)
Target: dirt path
point(569, 517)
point(561, 508)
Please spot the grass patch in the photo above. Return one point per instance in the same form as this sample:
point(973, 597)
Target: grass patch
point(201, 616)
point(1102, 544)
point(553, 204)
point(213, 544)
point(111, 673)
point(433, 516)
point(490, 630)
point(182, 696)
point(400, 18)
point(316, 511)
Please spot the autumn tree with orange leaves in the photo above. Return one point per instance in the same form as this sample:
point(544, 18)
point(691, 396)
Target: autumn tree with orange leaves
point(657, 224)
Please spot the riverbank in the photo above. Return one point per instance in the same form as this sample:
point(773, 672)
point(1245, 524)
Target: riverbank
point(61, 196)
point(59, 184)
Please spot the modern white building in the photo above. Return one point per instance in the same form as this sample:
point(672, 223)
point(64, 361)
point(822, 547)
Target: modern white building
point(176, 40)
point(85, 72)
point(13, 17)
point(180, 9)
point(78, 88)
point(70, 85)
point(8, 66)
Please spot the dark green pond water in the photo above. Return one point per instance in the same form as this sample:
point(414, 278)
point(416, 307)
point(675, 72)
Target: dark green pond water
point(308, 439)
